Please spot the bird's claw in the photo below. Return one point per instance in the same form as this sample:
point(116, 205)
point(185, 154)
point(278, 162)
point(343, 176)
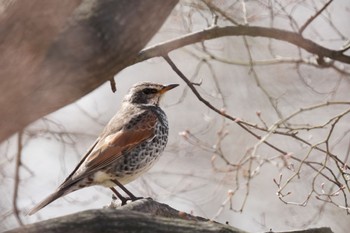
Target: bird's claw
point(125, 200)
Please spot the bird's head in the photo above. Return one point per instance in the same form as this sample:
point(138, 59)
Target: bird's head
point(147, 93)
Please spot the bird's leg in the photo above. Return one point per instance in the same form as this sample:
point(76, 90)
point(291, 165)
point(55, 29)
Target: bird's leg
point(132, 196)
point(123, 199)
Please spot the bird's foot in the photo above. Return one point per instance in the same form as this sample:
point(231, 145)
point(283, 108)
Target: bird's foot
point(132, 199)
point(125, 200)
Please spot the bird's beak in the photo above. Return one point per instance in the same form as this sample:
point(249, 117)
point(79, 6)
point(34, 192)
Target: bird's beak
point(167, 88)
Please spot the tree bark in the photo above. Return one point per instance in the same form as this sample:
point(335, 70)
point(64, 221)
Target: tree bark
point(142, 216)
point(54, 52)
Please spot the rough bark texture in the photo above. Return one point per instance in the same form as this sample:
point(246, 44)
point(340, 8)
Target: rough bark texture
point(142, 216)
point(54, 52)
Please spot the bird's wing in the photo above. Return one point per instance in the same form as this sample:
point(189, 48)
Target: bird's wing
point(82, 160)
point(109, 148)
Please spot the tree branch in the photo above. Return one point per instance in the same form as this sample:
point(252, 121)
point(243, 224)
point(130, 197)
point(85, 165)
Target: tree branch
point(55, 52)
point(164, 48)
point(17, 178)
point(301, 30)
point(143, 216)
point(208, 104)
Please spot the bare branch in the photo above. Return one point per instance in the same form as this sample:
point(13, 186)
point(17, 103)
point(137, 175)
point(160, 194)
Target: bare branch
point(17, 179)
point(113, 85)
point(221, 12)
point(273, 129)
point(207, 103)
point(70, 49)
point(302, 28)
point(164, 48)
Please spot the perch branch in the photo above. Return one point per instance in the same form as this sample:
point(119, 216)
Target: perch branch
point(142, 216)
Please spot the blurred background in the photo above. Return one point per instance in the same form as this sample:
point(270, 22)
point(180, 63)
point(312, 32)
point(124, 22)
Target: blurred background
point(212, 167)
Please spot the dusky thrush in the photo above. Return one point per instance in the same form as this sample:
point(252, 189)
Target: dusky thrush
point(128, 146)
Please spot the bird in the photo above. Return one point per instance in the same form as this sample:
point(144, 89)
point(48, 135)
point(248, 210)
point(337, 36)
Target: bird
point(128, 146)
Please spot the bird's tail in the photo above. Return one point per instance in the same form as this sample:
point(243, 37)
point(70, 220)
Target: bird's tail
point(68, 186)
point(47, 200)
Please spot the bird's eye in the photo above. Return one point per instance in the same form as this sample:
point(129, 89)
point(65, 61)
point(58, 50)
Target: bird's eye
point(148, 91)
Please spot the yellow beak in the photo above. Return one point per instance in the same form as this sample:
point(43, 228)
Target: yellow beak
point(167, 88)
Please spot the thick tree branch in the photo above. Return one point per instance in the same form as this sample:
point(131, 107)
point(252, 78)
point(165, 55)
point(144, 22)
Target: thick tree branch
point(217, 32)
point(143, 216)
point(55, 52)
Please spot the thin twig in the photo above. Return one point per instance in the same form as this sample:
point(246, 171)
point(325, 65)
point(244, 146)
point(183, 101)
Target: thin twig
point(212, 7)
point(208, 104)
point(312, 18)
point(17, 179)
point(113, 85)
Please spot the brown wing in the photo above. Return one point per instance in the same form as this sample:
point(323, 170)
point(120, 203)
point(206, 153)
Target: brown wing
point(111, 147)
point(115, 144)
